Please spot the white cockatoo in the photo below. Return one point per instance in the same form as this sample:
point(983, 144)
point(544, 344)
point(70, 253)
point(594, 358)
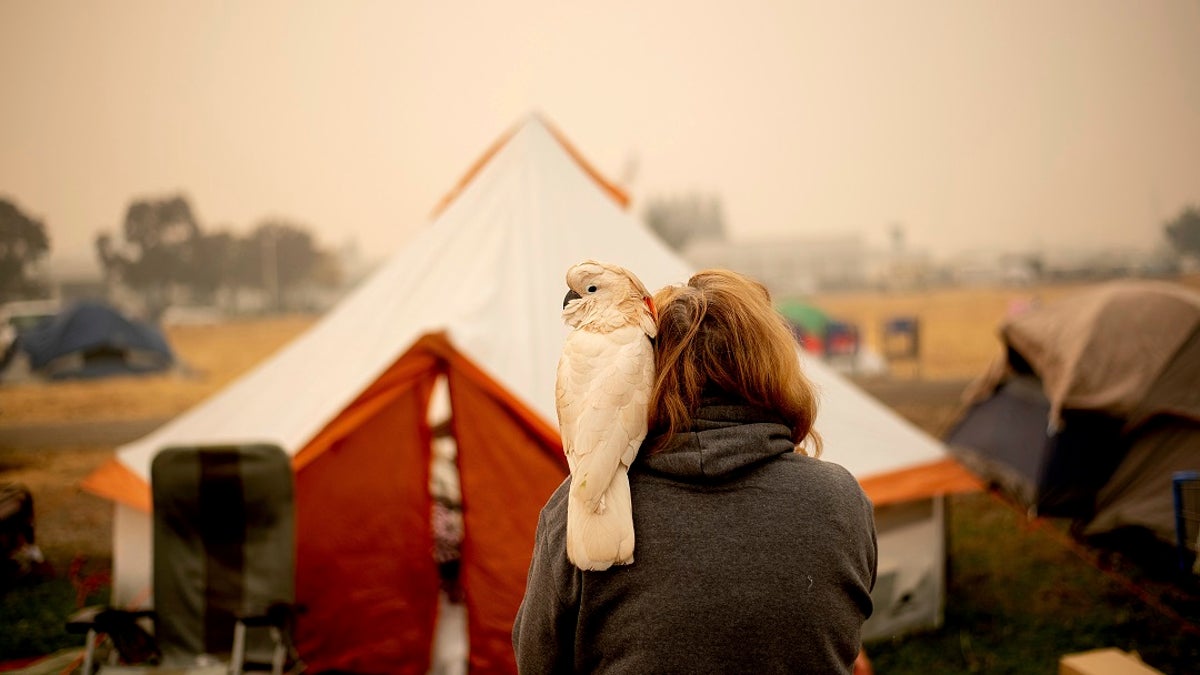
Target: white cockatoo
point(604, 378)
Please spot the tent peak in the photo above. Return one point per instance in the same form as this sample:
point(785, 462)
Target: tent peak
point(531, 122)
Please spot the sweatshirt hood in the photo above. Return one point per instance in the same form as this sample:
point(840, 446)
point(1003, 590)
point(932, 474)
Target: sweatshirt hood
point(724, 438)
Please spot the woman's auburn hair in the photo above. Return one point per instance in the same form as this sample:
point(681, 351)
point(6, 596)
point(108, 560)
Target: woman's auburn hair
point(720, 331)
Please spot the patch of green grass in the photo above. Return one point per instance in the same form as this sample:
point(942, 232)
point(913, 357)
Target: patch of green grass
point(34, 615)
point(1021, 595)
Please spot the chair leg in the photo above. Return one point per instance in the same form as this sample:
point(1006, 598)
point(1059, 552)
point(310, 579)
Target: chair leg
point(89, 653)
point(279, 656)
point(237, 659)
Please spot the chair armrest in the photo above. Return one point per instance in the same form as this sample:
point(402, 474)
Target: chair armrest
point(280, 614)
point(132, 640)
point(84, 620)
point(101, 617)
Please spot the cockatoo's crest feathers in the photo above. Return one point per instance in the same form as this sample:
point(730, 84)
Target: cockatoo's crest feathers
point(603, 297)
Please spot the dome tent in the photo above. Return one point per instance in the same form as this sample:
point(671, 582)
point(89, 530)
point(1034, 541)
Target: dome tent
point(1092, 407)
point(92, 339)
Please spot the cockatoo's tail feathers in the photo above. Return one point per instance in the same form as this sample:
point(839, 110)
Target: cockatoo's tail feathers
point(597, 540)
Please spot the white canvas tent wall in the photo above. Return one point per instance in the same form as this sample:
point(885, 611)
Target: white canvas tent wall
point(487, 274)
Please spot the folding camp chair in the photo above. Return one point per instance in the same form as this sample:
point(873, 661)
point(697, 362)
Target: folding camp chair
point(224, 569)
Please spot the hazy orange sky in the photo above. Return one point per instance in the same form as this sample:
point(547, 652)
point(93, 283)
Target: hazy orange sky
point(1008, 124)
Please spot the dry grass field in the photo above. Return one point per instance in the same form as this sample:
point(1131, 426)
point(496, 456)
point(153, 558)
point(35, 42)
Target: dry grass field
point(213, 355)
point(958, 340)
point(958, 325)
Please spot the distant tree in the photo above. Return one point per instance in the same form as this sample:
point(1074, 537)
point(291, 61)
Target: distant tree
point(328, 270)
point(164, 251)
point(678, 220)
point(215, 258)
point(288, 257)
point(1183, 231)
point(164, 232)
point(160, 250)
point(23, 242)
point(106, 252)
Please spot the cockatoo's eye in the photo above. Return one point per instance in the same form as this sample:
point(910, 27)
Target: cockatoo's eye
point(591, 289)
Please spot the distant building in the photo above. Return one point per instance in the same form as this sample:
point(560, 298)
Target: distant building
point(1001, 268)
point(903, 270)
point(803, 265)
point(788, 267)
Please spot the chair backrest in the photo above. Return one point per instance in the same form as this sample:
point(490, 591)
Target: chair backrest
point(224, 544)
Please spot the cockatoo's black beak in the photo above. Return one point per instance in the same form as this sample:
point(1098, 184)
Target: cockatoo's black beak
point(571, 295)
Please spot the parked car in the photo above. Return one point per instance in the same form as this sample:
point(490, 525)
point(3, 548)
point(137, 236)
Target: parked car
point(19, 316)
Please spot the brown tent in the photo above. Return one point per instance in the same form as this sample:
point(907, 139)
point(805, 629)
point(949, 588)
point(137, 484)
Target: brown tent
point(1093, 406)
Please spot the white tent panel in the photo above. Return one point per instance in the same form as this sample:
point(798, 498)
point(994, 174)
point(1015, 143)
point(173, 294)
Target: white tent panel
point(909, 589)
point(862, 434)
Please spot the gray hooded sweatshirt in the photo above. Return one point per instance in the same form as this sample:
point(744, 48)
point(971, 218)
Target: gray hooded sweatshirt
point(749, 558)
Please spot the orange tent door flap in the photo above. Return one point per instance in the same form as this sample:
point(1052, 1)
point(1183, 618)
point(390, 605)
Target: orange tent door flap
point(508, 471)
point(365, 561)
point(365, 570)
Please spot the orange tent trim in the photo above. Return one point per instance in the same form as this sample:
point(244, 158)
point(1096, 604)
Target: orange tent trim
point(431, 351)
point(944, 476)
point(113, 480)
point(617, 194)
point(438, 344)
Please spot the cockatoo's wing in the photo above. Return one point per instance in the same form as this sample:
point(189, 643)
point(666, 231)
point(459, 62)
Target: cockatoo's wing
point(603, 391)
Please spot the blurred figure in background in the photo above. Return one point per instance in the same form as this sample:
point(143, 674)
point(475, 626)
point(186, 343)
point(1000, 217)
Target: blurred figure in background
point(450, 637)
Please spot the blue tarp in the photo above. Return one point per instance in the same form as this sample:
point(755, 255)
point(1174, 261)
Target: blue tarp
point(91, 339)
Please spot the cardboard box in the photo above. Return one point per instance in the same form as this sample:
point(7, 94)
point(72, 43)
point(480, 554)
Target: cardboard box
point(1104, 662)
